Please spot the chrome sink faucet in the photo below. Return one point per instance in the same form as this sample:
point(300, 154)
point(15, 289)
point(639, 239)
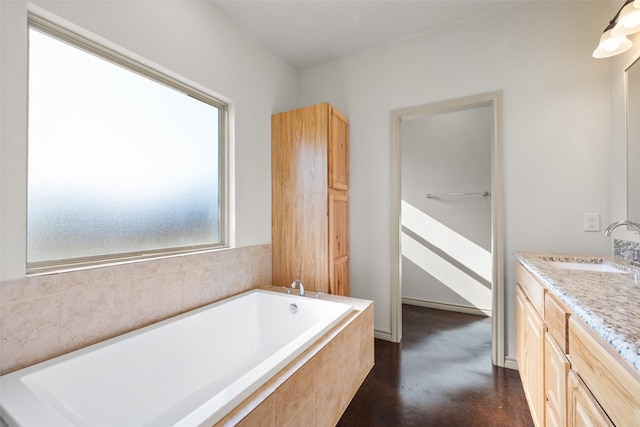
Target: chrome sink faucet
point(635, 227)
point(298, 282)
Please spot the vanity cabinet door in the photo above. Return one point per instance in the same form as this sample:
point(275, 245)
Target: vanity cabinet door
point(552, 419)
point(614, 383)
point(556, 367)
point(520, 319)
point(556, 317)
point(583, 409)
point(531, 356)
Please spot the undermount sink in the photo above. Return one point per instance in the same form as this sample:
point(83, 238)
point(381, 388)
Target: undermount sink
point(586, 266)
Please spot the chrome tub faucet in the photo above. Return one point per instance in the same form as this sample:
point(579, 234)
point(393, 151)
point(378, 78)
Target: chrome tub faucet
point(298, 282)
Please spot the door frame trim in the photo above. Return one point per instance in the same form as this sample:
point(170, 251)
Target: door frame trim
point(493, 99)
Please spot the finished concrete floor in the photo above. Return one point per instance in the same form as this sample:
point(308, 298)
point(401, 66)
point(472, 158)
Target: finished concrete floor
point(439, 375)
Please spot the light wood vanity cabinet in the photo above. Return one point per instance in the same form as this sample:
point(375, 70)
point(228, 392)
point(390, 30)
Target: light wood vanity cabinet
point(613, 383)
point(584, 410)
point(310, 199)
point(556, 364)
point(556, 369)
point(530, 331)
point(556, 317)
point(584, 381)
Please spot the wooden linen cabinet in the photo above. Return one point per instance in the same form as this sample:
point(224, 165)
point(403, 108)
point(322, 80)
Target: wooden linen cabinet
point(310, 198)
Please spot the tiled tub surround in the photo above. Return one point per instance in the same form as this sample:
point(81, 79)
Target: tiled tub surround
point(316, 388)
point(45, 316)
point(132, 379)
point(607, 302)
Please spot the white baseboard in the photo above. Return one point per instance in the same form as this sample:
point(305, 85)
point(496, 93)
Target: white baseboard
point(448, 307)
point(511, 363)
point(382, 335)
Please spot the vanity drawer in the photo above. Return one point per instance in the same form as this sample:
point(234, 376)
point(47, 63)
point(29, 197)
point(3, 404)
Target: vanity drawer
point(610, 379)
point(556, 317)
point(532, 288)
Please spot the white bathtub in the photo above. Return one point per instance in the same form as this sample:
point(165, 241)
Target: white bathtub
point(190, 370)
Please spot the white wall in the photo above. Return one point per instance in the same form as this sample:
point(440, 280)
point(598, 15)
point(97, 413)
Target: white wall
point(555, 128)
point(190, 38)
point(441, 154)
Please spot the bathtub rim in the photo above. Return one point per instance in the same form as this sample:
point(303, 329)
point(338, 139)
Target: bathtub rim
point(268, 392)
point(24, 391)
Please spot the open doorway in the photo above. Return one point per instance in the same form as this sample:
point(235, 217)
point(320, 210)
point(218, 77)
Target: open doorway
point(434, 240)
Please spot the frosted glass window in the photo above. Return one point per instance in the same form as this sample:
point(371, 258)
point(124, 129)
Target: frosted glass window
point(119, 165)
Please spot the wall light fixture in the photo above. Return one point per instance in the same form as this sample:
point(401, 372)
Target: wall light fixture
point(614, 39)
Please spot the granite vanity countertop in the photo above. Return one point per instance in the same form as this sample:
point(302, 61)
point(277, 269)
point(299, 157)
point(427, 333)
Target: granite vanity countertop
point(608, 302)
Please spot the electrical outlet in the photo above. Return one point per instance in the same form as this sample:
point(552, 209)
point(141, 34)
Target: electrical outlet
point(591, 222)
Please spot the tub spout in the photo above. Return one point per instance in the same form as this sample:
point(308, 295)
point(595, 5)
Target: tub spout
point(296, 283)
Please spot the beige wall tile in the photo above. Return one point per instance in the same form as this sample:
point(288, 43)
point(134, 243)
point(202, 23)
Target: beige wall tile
point(200, 286)
point(259, 250)
point(205, 259)
point(337, 376)
point(101, 276)
point(261, 271)
point(30, 332)
point(294, 394)
point(306, 416)
point(329, 385)
point(235, 275)
point(156, 298)
point(157, 267)
point(262, 416)
point(93, 314)
point(236, 254)
point(30, 288)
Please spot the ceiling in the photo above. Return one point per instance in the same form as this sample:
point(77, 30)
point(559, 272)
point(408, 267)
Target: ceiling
point(305, 33)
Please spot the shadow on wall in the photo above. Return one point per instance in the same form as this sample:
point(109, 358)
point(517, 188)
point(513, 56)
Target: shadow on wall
point(448, 259)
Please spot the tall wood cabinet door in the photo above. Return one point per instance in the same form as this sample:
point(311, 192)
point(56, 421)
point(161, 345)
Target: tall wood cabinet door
point(340, 278)
point(338, 150)
point(582, 408)
point(299, 197)
point(338, 242)
point(556, 369)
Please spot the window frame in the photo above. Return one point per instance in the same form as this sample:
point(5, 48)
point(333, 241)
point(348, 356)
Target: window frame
point(117, 56)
